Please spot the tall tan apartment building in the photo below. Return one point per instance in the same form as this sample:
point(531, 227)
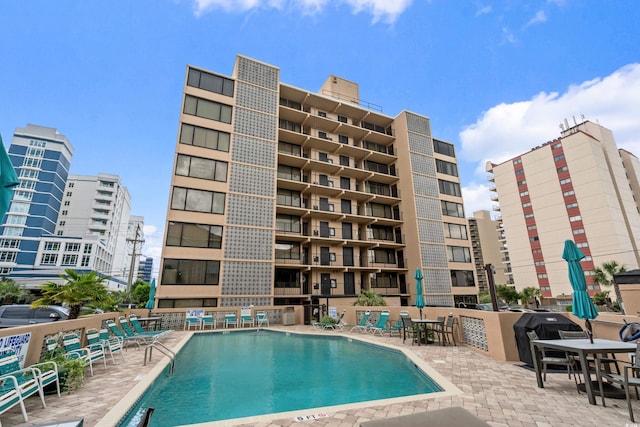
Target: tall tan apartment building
point(580, 187)
point(486, 236)
point(281, 196)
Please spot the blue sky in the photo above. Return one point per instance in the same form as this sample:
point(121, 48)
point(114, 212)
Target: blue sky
point(495, 77)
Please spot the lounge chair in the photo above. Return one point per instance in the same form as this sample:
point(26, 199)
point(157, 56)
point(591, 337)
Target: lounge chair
point(111, 344)
point(362, 324)
point(381, 324)
point(139, 330)
point(45, 372)
point(117, 332)
point(208, 320)
point(230, 320)
point(90, 354)
point(261, 318)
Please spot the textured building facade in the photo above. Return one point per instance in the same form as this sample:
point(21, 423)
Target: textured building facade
point(579, 187)
point(486, 235)
point(283, 196)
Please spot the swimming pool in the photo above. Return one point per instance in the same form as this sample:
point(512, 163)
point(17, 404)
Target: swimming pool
point(222, 376)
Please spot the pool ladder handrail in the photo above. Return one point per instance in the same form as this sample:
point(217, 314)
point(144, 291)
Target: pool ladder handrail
point(162, 349)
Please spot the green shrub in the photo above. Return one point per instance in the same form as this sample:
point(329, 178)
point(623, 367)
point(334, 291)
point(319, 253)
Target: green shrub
point(569, 308)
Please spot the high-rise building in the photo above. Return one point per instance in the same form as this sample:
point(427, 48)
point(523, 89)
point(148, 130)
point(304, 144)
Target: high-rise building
point(284, 196)
point(56, 220)
point(146, 269)
point(579, 187)
point(486, 236)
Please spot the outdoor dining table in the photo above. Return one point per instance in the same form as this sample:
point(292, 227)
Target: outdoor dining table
point(426, 325)
point(583, 348)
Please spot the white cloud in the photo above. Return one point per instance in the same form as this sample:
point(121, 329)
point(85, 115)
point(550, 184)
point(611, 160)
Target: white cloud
point(508, 36)
point(476, 197)
point(381, 10)
point(484, 10)
point(538, 18)
point(507, 130)
point(153, 238)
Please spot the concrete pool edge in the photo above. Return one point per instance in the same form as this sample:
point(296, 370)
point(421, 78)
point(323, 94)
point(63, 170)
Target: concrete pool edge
point(120, 410)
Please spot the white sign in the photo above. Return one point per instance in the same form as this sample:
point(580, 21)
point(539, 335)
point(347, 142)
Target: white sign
point(333, 312)
point(18, 343)
point(245, 312)
point(195, 313)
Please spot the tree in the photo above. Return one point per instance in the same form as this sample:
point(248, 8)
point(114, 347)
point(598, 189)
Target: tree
point(77, 289)
point(507, 294)
point(529, 293)
point(140, 293)
point(11, 292)
point(604, 274)
point(369, 298)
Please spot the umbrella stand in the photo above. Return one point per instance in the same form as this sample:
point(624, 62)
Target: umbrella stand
point(587, 323)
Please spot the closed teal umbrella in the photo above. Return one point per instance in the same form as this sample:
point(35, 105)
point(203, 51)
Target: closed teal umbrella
point(8, 180)
point(582, 305)
point(419, 298)
point(152, 295)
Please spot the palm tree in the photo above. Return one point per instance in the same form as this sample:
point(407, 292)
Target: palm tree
point(11, 292)
point(530, 293)
point(604, 274)
point(369, 298)
point(77, 289)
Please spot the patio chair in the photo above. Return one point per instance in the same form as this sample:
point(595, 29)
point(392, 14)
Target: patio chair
point(208, 320)
point(449, 330)
point(547, 360)
point(362, 324)
point(261, 318)
point(191, 322)
point(90, 354)
point(13, 393)
point(411, 329)
point(630, 377)
point(438, 330)
point(247, 319)
point(150, 336)
point(112, 344)
point(381, 324)
point(45, 372)
point(94, 339)
point(333, 325)
point(230, 320)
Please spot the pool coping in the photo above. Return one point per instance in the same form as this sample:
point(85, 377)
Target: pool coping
point(120, 410)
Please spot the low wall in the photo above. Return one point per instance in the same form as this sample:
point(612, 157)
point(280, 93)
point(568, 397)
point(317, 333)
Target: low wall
point(489, 333)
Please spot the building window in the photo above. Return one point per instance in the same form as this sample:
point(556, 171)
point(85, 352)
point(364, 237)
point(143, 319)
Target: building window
point(382, 256)
point(462, 278)
point(569, 193)
point(72, 247)
point(562, 169)
point(207, 109)
point(523, 182)
point(342, 119)
point(88, 248)
point(197, 167)
point(447, 168)
point(445, 148)
point(190, 199)
point(69, 260)
point(194, 235)
point(582, 245)
point(380, 232)
point(343, 139)
point(383, 280)
point(538, 263)
point(529, 215)
point(8, 256)
point(575, 218)
point(62, 223)
point(455, 231)
point(542, 276)
point(85, 261)
point(379, 210)
point(288, 223)
point(210, 82)
point(450, 188)
point(517, 161)
point(288, 198)
point(69, 193)
point(572, 205)
point(534, 238)
point(519, 171)
point(558, 157)
point(526, 204)
point(524, 193)
point(458, 254)
point(536, 251)
point(49, 259)
point(565, 181)
point(452, 209)
point(556, 145)
point(206, 138)
point(287, 250)
point(190, 272)
point(532, 227)
point(578, 231)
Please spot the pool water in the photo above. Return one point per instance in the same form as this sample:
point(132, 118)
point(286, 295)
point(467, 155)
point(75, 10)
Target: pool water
point(222, 376)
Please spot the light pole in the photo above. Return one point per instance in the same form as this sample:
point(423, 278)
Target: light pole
point(492, 286)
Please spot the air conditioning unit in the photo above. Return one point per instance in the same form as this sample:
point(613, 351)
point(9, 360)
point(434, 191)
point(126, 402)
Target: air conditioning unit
point(315, 207)
point(315, 232)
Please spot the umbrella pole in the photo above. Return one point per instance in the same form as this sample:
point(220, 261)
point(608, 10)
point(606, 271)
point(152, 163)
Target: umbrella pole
point(587, 323)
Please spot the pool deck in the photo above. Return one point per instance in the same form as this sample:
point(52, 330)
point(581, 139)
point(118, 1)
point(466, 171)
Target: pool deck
point(500, 393)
